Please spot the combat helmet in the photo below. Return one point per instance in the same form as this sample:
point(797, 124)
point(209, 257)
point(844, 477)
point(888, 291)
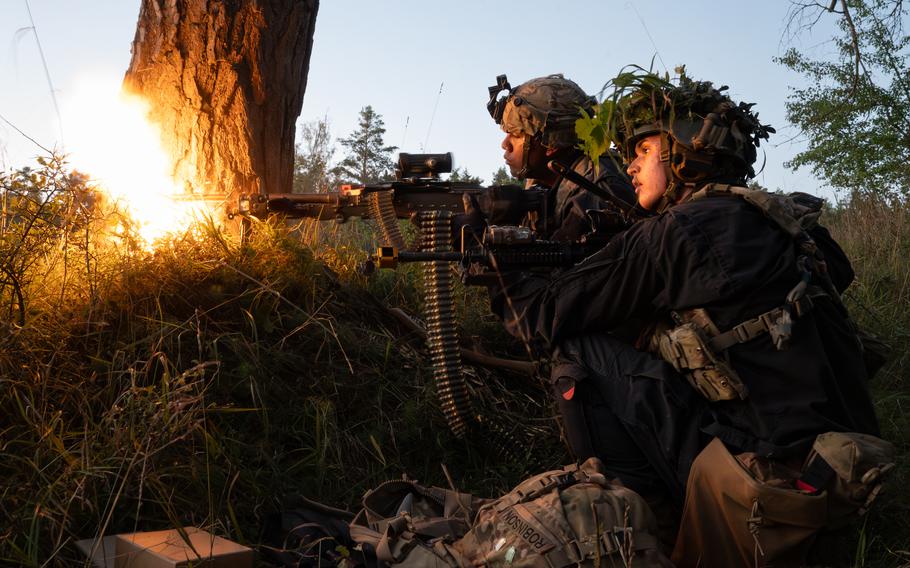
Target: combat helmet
point(544, 108)
point(705, 135)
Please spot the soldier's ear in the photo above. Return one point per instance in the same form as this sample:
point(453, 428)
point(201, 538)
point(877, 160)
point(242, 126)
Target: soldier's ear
point(552, 151)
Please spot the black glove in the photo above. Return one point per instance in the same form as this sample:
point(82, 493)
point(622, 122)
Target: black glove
point(504, 204)
point(472, 223)
point(607, 221)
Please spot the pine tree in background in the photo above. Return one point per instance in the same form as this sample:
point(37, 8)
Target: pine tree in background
point(312, 172)
point(368, 159)
point(463, 176)
point(502, 177)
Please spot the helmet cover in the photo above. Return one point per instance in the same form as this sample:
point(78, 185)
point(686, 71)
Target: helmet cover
point(548, 107)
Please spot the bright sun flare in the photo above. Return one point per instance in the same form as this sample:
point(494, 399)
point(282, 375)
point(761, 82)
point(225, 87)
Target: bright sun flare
point(109, 138)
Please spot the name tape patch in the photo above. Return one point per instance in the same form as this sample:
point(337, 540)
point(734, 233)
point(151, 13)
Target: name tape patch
point(528, 533)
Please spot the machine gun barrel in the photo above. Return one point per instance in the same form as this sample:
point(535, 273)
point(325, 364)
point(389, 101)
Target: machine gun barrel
point(408, 198)
point(499, 257)
point(321, 206)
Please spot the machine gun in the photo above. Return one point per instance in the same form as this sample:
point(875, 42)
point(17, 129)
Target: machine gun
point(418, 194)
point(417, 189)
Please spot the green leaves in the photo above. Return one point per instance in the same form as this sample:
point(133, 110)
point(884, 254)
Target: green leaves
point(633, 100)
point(593, 131)
point(636, 97)
point(855, 113)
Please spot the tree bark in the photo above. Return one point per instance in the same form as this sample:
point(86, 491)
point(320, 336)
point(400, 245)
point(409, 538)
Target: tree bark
point(225, 81)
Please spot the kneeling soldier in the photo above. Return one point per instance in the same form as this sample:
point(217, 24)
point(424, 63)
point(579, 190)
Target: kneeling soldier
point(747, 384)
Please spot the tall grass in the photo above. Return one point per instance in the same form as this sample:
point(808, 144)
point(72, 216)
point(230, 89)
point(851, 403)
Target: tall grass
point(210, 381)
point(875, 234)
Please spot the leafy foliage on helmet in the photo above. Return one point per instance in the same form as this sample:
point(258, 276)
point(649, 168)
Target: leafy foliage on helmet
point(695, 114)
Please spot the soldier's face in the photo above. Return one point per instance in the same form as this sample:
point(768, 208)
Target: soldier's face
point(514, 147)
point(647, 172)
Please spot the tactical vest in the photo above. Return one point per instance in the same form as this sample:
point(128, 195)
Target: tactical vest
point(698, 349)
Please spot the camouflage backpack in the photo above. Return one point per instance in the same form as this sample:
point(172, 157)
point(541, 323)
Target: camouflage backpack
point(568, 517)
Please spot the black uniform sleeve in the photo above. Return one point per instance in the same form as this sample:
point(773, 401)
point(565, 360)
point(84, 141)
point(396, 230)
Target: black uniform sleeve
point(573, 219)
point(572, 207)
point(595, 296)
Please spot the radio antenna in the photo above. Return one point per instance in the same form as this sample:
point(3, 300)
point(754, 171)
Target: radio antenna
point(648, 33)
point(432, 116)
point(404, 136)
point(47, 72)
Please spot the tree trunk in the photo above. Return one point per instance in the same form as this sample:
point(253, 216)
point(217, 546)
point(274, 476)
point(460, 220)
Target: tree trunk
point(225, 80)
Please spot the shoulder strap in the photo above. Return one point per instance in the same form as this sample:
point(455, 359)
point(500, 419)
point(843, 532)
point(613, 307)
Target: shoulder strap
point(765, 202)
point(591, 471)
point(810, 260)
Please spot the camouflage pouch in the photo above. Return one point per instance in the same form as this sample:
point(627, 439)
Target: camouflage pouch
point(687, 348)
point(569, 517)
point(851, 468)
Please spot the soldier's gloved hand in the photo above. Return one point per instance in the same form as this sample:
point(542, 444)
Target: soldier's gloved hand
point(472, 223)
point(504, 204)
point(601, 224)
point(607, 221)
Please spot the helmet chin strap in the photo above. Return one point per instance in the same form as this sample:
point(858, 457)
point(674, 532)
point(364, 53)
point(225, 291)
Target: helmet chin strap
point(677, 186)
point(523, 172)
point(669, 197)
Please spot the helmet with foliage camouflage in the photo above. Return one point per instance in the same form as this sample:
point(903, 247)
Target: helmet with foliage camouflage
point(706, 136)
point(546, 107)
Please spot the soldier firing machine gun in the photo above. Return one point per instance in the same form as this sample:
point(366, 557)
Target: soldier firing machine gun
point(418, 194)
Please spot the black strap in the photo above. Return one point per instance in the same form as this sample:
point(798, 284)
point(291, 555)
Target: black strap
point(750, 329)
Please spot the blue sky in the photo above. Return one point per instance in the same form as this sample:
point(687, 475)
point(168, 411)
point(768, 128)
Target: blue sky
point(395, 55)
